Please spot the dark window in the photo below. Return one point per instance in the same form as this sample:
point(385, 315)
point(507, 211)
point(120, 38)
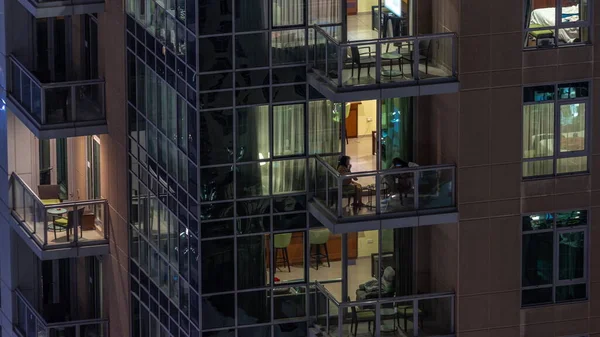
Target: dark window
point(554, 258)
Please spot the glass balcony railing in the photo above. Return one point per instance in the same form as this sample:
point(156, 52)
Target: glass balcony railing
point(56, 104)
point(30, 323)
point(388, 61)
point(394, 192)
point(52, 223)
point(419, 315)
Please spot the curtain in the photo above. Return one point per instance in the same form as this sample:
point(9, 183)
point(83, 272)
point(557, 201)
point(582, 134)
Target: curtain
point(324, 119)
point(538, 138)
point(288, 140)
point(396, 130)
point(288, 12)
point(253, 144)
point(251, 15)
point(325, 11)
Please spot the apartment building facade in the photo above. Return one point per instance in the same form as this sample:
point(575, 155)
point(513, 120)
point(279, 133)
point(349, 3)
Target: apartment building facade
point(64, 213)
point(174, 168)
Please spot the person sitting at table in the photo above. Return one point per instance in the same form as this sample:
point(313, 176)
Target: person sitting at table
point(351, 186)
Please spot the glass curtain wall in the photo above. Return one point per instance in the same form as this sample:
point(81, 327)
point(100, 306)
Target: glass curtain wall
point(219, 165)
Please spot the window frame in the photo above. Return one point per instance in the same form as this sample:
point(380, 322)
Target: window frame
point(581, 24)
point(585, 228)
point(557, 154)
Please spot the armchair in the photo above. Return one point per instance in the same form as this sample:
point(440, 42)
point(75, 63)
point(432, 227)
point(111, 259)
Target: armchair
point(49, 194)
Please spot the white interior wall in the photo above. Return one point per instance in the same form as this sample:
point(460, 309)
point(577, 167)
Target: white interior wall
point(22, 151)
point(366, 5)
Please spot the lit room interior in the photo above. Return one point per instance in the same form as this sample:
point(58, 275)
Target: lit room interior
point(541, 17)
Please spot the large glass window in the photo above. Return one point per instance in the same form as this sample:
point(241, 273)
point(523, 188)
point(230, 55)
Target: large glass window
point(551, 23)
point(396, 130)
point(554, 257)
point(555, 121)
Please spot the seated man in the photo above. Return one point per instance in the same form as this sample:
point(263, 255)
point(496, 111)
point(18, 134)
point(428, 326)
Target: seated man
point(370, 289)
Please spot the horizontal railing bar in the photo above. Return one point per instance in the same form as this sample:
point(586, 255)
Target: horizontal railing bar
point(397, 170)
point(77, 203)
point(326, 293)
point(60, 204)
point(409, 298)
point(16, 176)
point(71, 84)
point(384, 40)
point(400, 170)
point(52, 85)
point(326, 35)
point(398, 39)
point(24, 69)
point(77, 323)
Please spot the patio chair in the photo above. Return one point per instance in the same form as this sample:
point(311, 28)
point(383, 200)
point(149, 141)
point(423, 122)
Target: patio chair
point(359, 59)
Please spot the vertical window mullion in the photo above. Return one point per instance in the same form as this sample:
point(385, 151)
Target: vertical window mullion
point(557, 21)
point(555, 257)
point(556, 133)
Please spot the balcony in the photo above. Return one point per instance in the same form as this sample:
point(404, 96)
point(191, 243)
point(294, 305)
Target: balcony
point(58, 229)
point(434, 314)
point(54, 8)
point(394, 198)
point(59, 109)
point(30, 323)
point(383, 68)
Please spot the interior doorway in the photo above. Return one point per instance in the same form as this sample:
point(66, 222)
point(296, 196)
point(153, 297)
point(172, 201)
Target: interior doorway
point(366, 20)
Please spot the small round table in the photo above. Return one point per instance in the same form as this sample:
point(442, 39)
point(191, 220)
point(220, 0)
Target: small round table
point(57, 211)
point(391, 72)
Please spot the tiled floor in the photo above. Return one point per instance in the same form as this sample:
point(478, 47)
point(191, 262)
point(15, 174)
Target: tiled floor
point(61, 235)
point(359, 27)
point(360, 150)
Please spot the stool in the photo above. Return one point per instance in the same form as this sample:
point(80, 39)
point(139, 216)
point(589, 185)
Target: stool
point(280, 243)
point(541, 35)
point(318, 238)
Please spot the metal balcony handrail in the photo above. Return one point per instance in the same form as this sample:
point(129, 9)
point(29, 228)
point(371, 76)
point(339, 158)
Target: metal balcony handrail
point(382, 300)
point(77, 323)
point(67, 204)
point(46, 325)
point(396, 170)
point(334, 181)
point(22, 297)
point(326, 292)
point(329, 58)
point(52, 85)
point(384, 39)
point(326, 35)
